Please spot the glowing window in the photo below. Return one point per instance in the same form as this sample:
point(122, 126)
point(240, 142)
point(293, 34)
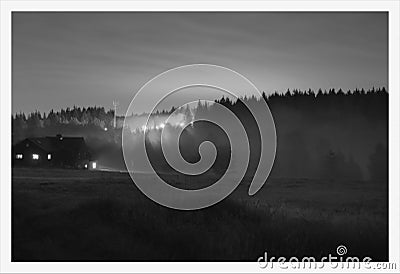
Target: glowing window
point(35, 156)
point(19, 156)
point(94, 165)
point(49, 156)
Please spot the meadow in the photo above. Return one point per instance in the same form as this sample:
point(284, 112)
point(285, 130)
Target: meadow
point(79, 215)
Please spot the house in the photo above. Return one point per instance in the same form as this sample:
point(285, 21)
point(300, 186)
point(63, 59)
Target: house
point(54, 151)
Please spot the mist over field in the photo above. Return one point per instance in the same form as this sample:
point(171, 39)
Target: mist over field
point(320, 135)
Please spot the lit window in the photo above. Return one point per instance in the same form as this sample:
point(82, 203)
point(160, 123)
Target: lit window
point(49, 156)
point(35, 156)
point(19, 156)
point(94, 165)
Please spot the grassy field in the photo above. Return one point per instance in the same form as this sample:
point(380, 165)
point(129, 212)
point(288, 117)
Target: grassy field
point(73, 215)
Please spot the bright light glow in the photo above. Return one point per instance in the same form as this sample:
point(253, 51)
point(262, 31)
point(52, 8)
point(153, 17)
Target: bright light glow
point(157, 127)
point(105, 129)
point(35, 156)
point(94, 165)
point(85, 165)
point(19, 156)
point(182, 124)
point(49, 156)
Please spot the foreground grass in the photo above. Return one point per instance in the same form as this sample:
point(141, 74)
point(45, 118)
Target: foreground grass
point(82, 216)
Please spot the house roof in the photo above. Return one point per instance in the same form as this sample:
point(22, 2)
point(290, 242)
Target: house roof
point(57, 143)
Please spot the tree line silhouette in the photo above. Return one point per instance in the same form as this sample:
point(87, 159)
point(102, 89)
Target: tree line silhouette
point(96, 116)
point(372, 103)
point(329, 134)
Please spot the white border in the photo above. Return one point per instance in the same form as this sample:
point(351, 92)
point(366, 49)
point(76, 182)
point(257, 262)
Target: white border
point(5, 186)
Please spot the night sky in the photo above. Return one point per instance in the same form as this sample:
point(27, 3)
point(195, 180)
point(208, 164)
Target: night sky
point(87, 59)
